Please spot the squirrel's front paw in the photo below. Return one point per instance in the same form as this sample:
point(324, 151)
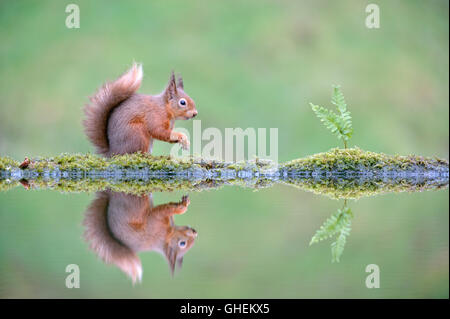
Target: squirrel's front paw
point(183, 140)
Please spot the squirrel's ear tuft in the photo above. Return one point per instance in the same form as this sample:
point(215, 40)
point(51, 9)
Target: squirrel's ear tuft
point(180, 83)
point(171, 89)
point(171, 256)
point(179, 262)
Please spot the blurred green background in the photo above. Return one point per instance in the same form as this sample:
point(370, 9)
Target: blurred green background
point(246, 64)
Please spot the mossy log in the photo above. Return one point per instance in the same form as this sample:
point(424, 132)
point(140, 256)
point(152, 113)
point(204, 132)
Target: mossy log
point(338, 173)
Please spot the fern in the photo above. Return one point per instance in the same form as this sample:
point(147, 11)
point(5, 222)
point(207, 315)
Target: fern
point(328, 229)
point(339, 223)
point(339, 124)
point(337, 247)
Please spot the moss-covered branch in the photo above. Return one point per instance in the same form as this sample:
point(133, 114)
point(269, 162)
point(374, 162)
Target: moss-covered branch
point(349, 173)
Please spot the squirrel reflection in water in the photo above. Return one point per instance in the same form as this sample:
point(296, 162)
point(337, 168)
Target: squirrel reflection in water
point(118, 225)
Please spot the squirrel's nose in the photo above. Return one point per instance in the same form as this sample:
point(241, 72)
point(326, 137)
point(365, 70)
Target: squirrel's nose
point(194, 114)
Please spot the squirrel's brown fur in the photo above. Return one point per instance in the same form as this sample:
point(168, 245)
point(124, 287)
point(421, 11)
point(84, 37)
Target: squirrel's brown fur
point(118, 225)
point(119, 121)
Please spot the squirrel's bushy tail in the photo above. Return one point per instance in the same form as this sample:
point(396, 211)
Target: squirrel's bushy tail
point(103, 243)
point(104, 101)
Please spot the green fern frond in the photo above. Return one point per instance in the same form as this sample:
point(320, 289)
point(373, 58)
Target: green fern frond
point(329, 119)
point(338, 223)
point(329, 228)
point(338, 99)
point(339, 124)
point(337, 247)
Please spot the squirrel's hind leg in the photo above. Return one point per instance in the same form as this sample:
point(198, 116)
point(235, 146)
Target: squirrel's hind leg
point(131, 141)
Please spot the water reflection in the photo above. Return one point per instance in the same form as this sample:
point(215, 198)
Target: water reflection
point(119, 225)
point(122, 220)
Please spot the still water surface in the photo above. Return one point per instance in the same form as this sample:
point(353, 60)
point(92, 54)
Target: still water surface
point(229, 242)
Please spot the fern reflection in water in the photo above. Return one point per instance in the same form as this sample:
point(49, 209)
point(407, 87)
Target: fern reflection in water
point(338, 224)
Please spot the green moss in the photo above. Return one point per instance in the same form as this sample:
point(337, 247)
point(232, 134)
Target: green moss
point(356, 159)
point(353, 158)
point(351, 189)
point(87, 162)
point(258, 173)
point(136, 187)
point(6, 185)
point(6, 162)
point(335, 158)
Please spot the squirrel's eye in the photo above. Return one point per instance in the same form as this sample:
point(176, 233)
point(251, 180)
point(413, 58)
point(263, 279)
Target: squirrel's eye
point(182, 102)
point(182, 243)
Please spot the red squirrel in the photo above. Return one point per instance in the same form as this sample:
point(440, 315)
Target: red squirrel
point(120, 121)
point(118, 225)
